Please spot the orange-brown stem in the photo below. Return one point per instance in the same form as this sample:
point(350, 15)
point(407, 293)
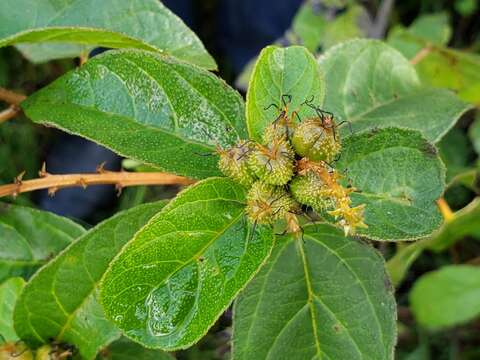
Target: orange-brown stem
point(9, 113)
point(11, 97)
point(119, 179)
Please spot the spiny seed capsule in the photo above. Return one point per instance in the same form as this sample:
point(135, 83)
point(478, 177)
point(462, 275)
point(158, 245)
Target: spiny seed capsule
point(267, 203)
point(273, 163)
point(234, 163)
point(44, 353)
point(15, 351)
point(316, 139)
point(281, 128)
point(310, 190)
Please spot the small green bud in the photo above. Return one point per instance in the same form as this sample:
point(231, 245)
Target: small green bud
point(267, 203)
point(273, 163)
point(316, 140)
point(234, 163)
point(44, 352)
point(310, 190)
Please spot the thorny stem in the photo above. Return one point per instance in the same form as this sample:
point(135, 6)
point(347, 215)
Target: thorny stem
point(11, 97)
point(120, 179)
point(9, 113)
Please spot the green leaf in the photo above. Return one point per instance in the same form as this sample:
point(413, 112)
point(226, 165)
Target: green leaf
point(143, 24)
point(399, 176)
point(125, 349)
point(182, 270)
point(438, 65)
point(61, 300)
point(9, 292)
point(145, 106)
point(326, 297)
point(370, 84)
point(446, 297)
point(30, 237)
point(474, 134)
point(433, 27)
point(455, 151)
point(281, 71)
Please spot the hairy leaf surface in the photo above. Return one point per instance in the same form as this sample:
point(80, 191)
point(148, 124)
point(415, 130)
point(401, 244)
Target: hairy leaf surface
point(61, 300)
point(144, 24)
point(183, 269)
point(30, 237)
point(371, 85)
point(399, 176)
point(327, 297)
point(145, 106)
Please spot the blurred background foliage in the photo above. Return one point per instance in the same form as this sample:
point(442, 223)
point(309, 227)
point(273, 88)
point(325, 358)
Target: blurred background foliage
point(437, 279)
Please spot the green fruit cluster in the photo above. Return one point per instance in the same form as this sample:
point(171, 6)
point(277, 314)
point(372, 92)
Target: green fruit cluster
point(270, 168)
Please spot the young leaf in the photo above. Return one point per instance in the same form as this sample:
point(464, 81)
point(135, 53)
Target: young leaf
point(9, 292)
point(60, 301)
point(446, 297)
point(370, 84)
point(326, 297)
point(145, 106)
point(144, 24)
point(281, 71)
point(30, 237)
point(125, 349)
point(182, 270)
point(398, 175)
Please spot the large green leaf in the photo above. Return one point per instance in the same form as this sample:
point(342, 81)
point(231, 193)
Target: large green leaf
point(182, 270)
point(145, 106)
point(399, 176)
point(125, 349)
point(446, 297)
point(30, 237)
point(281, 71)
point(144, 24)
point(326, 297)
point(370, 84)
point(61, 300)
point(9, 292)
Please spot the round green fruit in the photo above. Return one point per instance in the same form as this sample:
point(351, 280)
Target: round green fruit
point(273, 164)
point(310, 190)
point(43, 353)
point(316, 141)
point(267, 203)
point(234, 163)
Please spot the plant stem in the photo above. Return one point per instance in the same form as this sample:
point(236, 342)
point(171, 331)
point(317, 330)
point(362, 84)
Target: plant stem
point(11, 97)
point(119, 179)
point(9, 113)
point(421, 55)
point(447, 213)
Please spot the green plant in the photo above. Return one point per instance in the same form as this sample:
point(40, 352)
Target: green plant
point(162, 273)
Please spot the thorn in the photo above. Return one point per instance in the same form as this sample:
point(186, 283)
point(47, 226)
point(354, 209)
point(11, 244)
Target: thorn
point(19, 177)
point(83, 183)
point(119, 188)
point(43, 171)
point(52, 191)
point(101, 168)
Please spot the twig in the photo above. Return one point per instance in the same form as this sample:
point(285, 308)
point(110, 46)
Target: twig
point(421, 55)
point(377, 31)
point(447, 213)
point(9, 113)
point(11, 97)
point(120, 179)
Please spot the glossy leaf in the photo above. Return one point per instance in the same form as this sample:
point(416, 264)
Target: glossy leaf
point(61, 300)
point(327, 297)
point(446, 297)
point(372, 85)
point(125, 349)
point(281, 71)
point(30, 237)
point(145, 106)
point(182, 270)
point(9, 292)
point(144, 24)
point(399, 176)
